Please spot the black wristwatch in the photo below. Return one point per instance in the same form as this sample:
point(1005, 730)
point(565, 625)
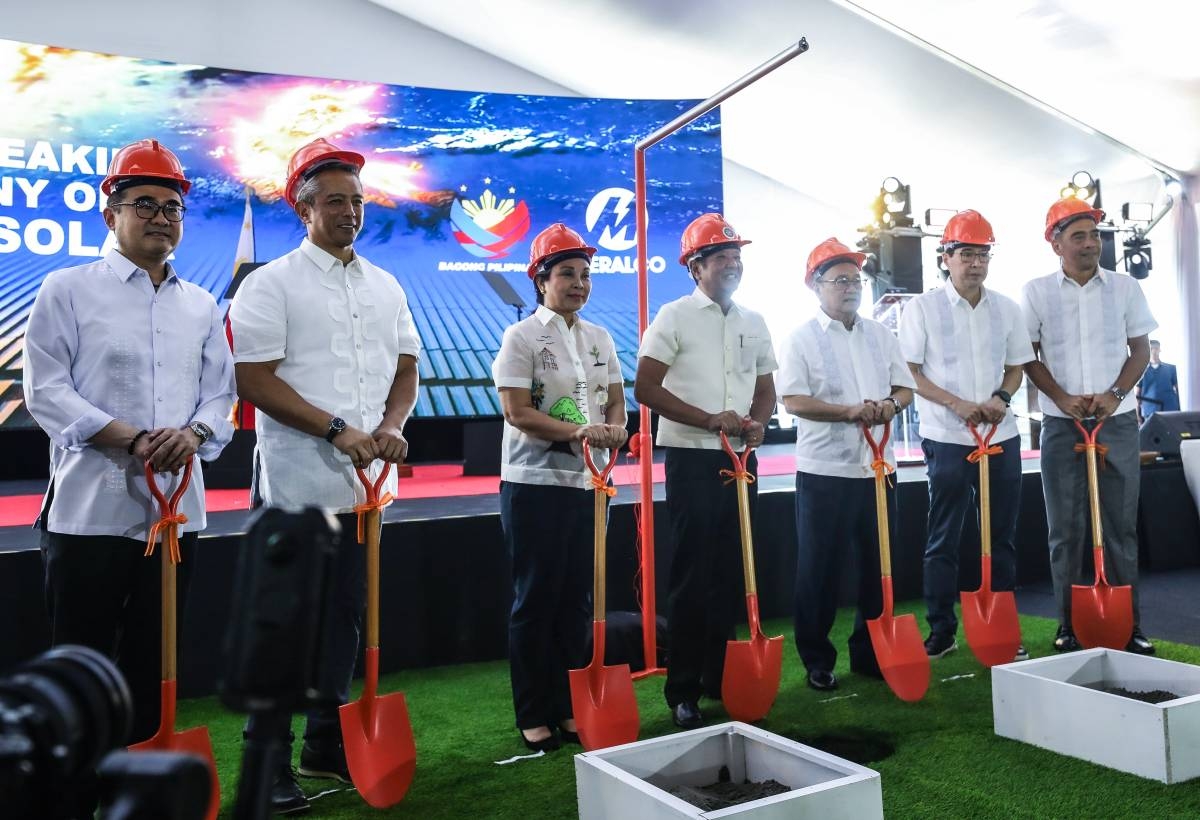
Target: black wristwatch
point(1004, 396)
point(336, 425)
point(1118, 392)
point(201, 430)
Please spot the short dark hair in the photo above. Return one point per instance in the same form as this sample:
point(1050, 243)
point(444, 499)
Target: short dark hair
point(540, 278)
point(308, 188)
point(1155, 343)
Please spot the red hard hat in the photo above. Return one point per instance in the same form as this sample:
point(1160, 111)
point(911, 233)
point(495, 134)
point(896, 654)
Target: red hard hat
point(144, 158)
point(967, 228)
point(1068, 209)
point(704, 232)
point(556, 239)
point(308, 158)
point(830, 249)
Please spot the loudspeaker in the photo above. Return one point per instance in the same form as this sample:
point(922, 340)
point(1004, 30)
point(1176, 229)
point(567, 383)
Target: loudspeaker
point(1163, 431)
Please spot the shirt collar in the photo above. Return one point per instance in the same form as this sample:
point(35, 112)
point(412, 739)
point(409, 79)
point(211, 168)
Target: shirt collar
point(547, 317)
point(125, 268)
point(701, 301)
point(825, 321)
point(326, 261)
point(955, 298)
point(1101, 273)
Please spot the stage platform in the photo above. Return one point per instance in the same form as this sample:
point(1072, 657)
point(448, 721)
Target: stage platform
point(445, 587)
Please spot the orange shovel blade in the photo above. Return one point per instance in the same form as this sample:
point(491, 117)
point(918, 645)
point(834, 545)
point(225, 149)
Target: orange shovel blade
point(380, 751)
point(604, 705)
point(1102, 615)
point(991, 624)
point(751, 678)
point(901, 655)
point(193, 741)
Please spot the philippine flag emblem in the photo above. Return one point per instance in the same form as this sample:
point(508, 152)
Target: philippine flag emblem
point(488, 227)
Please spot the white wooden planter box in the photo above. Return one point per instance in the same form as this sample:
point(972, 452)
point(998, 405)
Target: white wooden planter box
point(1049, 702)
point(627, 782)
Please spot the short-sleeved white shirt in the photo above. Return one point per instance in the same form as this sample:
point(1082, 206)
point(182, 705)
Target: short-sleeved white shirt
point(569, 372)
point(338, 331)
point(825, 361)
point(964, 351)
point(713, 360)
point(1084, 330)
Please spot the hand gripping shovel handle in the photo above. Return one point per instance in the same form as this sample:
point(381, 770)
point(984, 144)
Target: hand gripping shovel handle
point(742, 476)
point(372, 509)
point(168, 523)
point(603, 493)
point(1090, 448)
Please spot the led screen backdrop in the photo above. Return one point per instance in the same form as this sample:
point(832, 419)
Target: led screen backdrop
point(458, 183)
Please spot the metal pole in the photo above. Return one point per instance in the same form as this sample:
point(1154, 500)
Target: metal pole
point(646, 448)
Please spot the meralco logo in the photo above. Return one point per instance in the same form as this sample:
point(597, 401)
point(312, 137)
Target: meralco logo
point(613, 208)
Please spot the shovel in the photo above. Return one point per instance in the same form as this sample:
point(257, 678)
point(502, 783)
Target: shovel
point(1102, 615)
point(193, 741)
point(989, 617)
point(602, 698)
point(899, 649)
point(752, 668)
point(376, 731)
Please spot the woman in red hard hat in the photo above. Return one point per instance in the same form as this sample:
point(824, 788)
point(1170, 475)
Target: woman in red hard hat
point(967, 347)
point(838, 371)
point(1091, 334)
point(705, 366)
point(560, 384)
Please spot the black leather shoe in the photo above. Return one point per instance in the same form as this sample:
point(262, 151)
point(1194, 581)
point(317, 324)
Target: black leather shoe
point(546, 744)
point(822, 680)
point(286, 796)
point(939, 646)
point(325, 762)
point(1065, 641)
point(1139, 644)
point(686, 715)
point(568, 736)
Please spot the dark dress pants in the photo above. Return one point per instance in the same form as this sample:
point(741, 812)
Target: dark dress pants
point(104, 593)
point(953, 491)
point(706, 591)
point(548, 531)
point(836, 532)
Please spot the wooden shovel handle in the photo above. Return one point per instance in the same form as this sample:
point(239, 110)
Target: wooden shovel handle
point(741, 476)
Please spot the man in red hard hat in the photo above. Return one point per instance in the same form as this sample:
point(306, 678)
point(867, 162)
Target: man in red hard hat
point(967, 347)
point(705, 367)
point(125, 364)
point(837, 372)
point(1090, 330)
point(327, 350)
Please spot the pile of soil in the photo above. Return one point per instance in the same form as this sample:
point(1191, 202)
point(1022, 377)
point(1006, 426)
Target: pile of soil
point(1152, 696)
point(723, 793)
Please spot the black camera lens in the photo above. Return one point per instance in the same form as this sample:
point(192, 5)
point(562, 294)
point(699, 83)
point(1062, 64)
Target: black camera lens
point(60, 713)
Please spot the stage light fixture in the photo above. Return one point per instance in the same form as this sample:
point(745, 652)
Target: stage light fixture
point(1082, 186)
point(893, 206)
point(1138, 262)
point(1137, 211)
point(891, 185)
point(938, 217)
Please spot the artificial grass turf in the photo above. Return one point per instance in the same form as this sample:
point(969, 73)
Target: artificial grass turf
point(946, 760)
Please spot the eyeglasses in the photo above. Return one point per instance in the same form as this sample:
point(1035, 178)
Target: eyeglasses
point(148, 210)
point(845, 282)
point(969, 256)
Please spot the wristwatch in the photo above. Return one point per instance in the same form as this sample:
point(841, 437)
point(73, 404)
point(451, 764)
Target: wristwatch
point(336, 425)
point(896, 403)
point(1118, 392)
point(1004, 396)
point(201, 430)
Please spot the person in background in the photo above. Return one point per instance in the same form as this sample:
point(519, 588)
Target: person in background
point(1158, 388)
point(966, 346)
point(1090, 332)
point(560, 385)
point(705, 366)
point(838, 372)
